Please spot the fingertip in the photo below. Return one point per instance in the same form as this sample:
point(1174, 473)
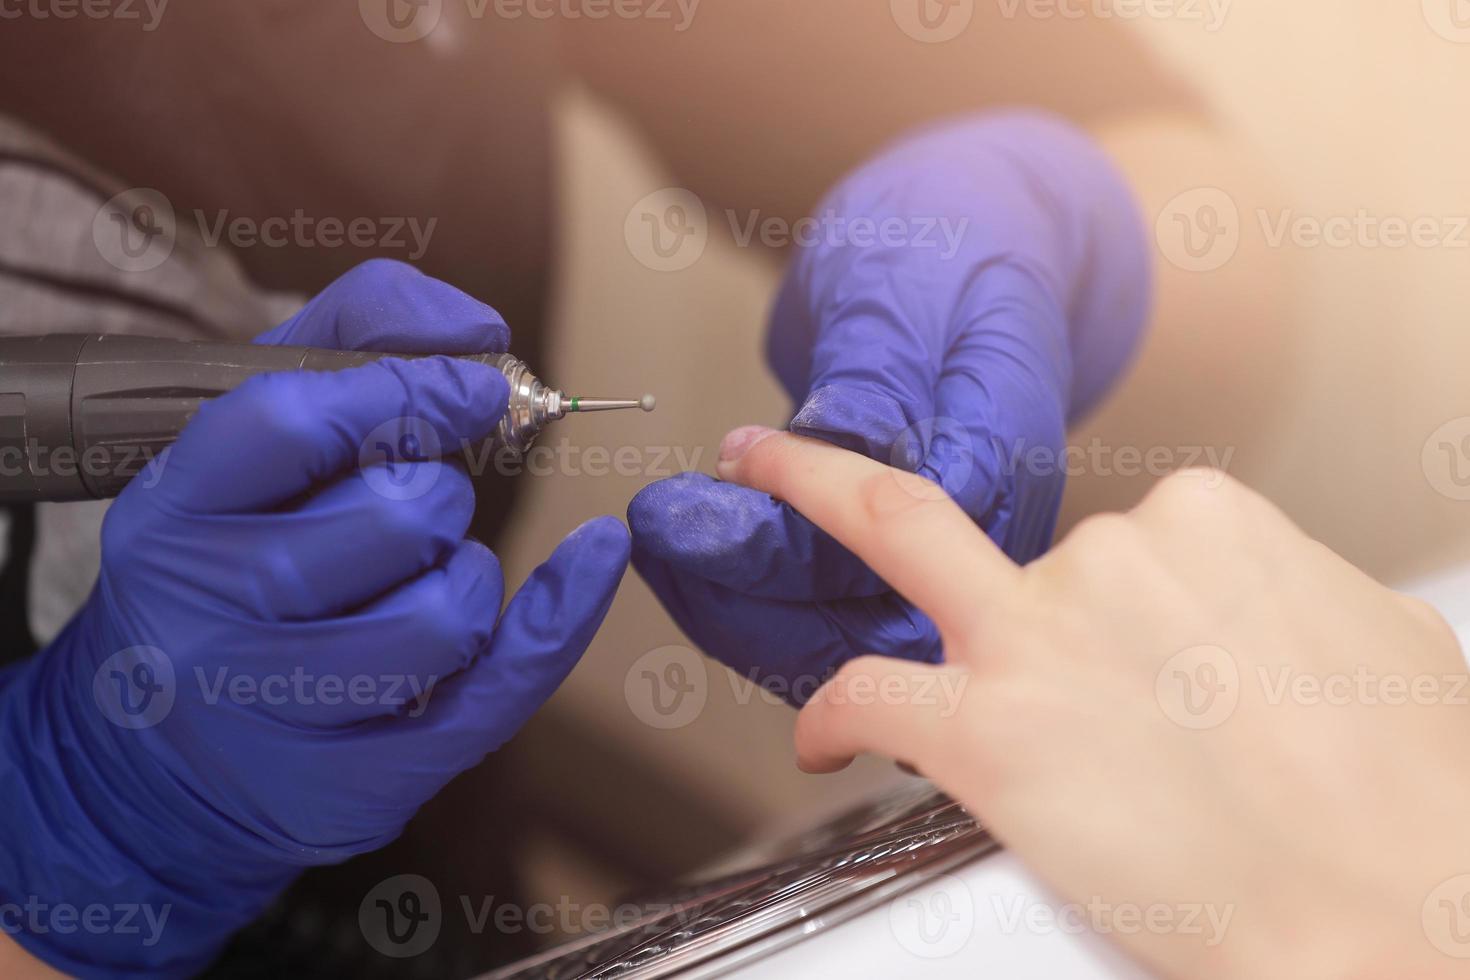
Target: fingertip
point(819, 766)
point(812, 757)
point(603, 540)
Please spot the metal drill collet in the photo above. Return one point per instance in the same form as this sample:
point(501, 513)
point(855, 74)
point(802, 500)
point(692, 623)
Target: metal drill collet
point(534, 404)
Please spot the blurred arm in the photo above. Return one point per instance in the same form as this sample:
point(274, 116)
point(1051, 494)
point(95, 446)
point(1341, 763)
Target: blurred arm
point(766, 103)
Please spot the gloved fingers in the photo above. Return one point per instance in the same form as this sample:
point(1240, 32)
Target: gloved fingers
point(789, 648)
point(744, 540)
point(389, 657)
point(869, 343)
point(541, 636)
point(389, 306)
point(281, 435)
point(351, 542)
point(997, 441)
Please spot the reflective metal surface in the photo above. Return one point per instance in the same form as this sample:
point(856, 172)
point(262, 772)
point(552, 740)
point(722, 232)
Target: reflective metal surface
point(824, 877)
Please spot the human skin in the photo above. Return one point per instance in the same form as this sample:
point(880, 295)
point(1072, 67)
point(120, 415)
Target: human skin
point(1325, 822)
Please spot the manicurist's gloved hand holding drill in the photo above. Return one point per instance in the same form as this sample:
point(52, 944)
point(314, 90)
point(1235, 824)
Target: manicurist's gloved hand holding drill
point(283, 657)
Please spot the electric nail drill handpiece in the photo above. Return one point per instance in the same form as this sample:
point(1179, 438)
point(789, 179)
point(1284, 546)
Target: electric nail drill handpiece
point(81, 415)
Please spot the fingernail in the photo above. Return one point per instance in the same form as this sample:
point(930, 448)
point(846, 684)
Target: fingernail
point(738, 443)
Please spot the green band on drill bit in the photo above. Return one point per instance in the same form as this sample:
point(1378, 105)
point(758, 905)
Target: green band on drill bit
point(576, 402)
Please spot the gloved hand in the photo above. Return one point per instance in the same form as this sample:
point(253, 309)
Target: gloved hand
point(286, 652)
point(975, 288)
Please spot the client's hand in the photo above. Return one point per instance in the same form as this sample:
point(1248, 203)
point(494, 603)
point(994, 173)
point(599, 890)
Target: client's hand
point(1189, 704)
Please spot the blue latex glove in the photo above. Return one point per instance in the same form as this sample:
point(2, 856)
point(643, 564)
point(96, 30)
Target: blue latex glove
point(264, 553)
point(1005, 297)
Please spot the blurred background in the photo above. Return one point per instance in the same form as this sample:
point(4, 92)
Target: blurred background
point(1347, 108)
point(1302, 339)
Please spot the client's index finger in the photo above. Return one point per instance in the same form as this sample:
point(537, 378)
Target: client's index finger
point(905, 527)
